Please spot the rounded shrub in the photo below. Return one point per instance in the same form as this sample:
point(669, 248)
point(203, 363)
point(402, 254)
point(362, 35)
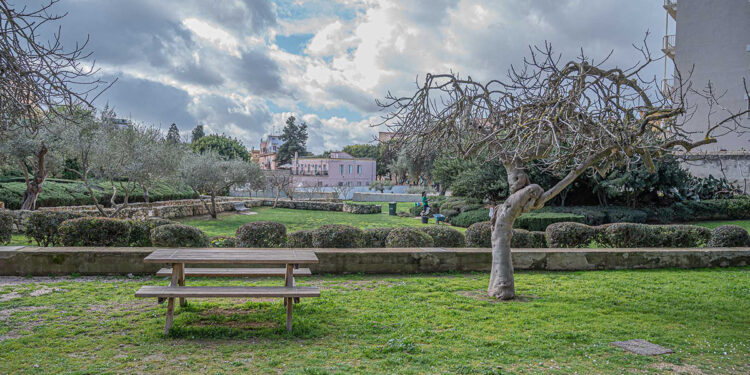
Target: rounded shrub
point(466, 219)
point(479, 235)
point(300, 239)
point(682, 235)
point(729, 236)
point(524, 239)
point(261, 234)
point(539, 221)
point(408, 237)
point(178, 235)
point(375, 237)
point(642, 235)
point(6, 227)
point(567, 234)
point(42, 226)
point(444, 236)
point(338, 236)
point(140, 230)
point(222, 241)
point(94, 231)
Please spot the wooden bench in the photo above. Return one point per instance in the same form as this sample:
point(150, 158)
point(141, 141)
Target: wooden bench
point(179, 257)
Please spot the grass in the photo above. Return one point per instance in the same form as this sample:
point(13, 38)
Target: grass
point(713, 224)
point(414, 324)
point(227, 224)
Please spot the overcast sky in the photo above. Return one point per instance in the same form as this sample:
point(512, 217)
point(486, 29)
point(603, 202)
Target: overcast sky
point(242, 67)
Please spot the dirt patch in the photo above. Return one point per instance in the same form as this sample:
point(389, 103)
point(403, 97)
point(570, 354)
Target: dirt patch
point(20, 326)
point(9, 296)
point(19, 280)
point(677, 369)
point(481, 295)
point(44, 290)
point(235, 324)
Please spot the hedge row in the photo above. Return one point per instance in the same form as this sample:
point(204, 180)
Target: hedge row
point(480, 235)
point(533, 221)
point(74, 193)
point(626, 235)
point(6, 227)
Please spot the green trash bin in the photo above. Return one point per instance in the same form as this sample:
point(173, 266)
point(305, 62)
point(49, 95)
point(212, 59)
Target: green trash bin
point(392, 208)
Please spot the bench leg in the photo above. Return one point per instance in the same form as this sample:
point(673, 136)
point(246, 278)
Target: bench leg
point(181, 282)
point(170, 315)
point(160, 300)
point(289, 304)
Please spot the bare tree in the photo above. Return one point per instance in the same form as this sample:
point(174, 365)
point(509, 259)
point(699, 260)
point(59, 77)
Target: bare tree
point(209, 174)
point(571, 117)
point(39, 78)
point(279, 181)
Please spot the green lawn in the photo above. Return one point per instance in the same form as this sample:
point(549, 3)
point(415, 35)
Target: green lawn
point(713, 224)
point(412, 324)
point(227, 224)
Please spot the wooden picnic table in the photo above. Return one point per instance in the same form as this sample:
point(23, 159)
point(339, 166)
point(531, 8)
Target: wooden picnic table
point(177, 258)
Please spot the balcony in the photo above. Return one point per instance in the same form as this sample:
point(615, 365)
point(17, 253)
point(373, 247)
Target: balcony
point(667, 46)
point(671, 7)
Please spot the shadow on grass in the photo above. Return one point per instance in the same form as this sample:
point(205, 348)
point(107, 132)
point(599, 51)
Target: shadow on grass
point(481, 295)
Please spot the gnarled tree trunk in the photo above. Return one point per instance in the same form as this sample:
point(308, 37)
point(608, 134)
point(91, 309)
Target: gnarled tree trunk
point(35, 182)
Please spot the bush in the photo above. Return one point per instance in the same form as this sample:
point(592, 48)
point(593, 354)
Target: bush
point(729, 236)
point(261, 234)
point(597, 215)
point(375, 237)
point(465, 219)
point(479, 235)
point(538, 221)
point(42, 226)
point(140, 230)
point(408, 237)
point(6, 227)
point(300, 238)
point(444, 236)
point(571, 235)
point(338, 236)
point(642, 235)
point(178, 235)
point(95, 231)
point(456, 205)
point(222, 241)
point(524, 239)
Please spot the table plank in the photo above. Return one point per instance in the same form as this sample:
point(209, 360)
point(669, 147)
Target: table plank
point(232, 256)
point(227, 291)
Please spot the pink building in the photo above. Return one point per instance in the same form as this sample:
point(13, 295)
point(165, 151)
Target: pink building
point(268, 149)
point(341, 169)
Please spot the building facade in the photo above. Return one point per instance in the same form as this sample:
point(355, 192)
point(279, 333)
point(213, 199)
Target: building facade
point(267, 153)
point(340, 169)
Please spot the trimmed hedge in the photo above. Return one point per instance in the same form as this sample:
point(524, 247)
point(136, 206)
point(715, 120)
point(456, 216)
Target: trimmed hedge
point(337, 236)
point(408, 237)
point(729, 236)
point(42, 226)
point(479, 235)
point(466, 219)
point(524, 239)
point(6, 227)
point(261, 234)
point(444, 236)
point(222, 241)
point(375, 237)
point(140, 230)
point(300, 238)
point(178, 235)
point(571, 235)
point(642, 235)
point(95, 231)
point(538, 221)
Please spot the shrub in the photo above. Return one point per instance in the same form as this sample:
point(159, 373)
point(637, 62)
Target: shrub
point(140, 230)
point(6, 227)
point(642, 235)
point(42, 226)
point(479, 235)
point(300, 238)
point(178, 235)
point(456, 205)
point(261, 234)
point(408, 237)
point(375, 237)
point(222, 241)
point(444, 236)
point(525, 239)
point(538, 221)
point(95, 231)
point(571, 235)
point(729, 236)
point(465, 219)
point(338, 236)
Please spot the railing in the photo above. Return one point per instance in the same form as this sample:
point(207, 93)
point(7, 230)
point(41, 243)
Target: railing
point(668, 44)
point(671, 8)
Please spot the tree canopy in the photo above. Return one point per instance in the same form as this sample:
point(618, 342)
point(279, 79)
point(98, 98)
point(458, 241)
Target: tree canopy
point(224, 146)
point(173, 134)
point(294, 137)
point(197, 133)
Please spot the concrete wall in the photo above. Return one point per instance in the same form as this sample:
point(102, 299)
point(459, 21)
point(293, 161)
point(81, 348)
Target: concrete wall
point(735, 166)
point(35, 261)
point(386, 197)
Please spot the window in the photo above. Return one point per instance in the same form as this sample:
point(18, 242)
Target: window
point(341, 170)
point(349, 183)
point(359, 169)
point(350, 169)
point(359, 183)
point(316, 168)
point(341, 183)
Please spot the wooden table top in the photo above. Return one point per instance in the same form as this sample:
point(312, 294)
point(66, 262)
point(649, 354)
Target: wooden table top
point(232, 256)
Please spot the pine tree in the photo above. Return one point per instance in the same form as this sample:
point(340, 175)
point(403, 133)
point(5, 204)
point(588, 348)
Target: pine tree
point(198, 133)
point(295, 140)
point(173, 134)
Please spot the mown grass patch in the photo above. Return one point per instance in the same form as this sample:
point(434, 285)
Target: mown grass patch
point(410, 324)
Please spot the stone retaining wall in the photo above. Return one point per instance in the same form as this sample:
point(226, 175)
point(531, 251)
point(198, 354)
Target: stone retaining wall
point(362, 208)
point(36, 261)
point(385, 197)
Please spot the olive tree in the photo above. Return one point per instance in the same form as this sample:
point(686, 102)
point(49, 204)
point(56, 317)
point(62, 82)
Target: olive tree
point(571, 117)
point(210, 174)
point(34, 154)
